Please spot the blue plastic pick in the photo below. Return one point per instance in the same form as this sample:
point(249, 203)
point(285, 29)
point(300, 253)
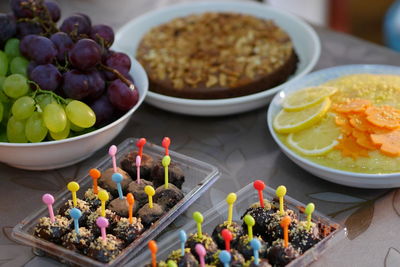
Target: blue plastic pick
point(75, 214)
point(117, 178)
point(256, 245)
point(225, 257)
point(183, 238)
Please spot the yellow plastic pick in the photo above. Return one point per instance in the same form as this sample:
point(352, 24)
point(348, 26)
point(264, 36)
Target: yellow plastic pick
point(198, 218)
point(149, 190)
point(165, 162)
point(281, 192)
point(103, 196)
point(230, 199)
point(73, 187)
point(309, 210)
point(249, 220)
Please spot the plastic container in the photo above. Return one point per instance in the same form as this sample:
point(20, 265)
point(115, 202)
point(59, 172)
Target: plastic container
point(245, 197)
point(199, 177)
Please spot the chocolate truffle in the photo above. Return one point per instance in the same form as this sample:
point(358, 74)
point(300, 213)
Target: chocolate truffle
point(235, 229)
point(175, 175)
point(243, 246)
point(106, 182)
point(128, 164)
point(52, 231)
point(150, 215)
point(188, 260)
point(121, 207)
point(206, 241)
point(78, 242)
point(261, 263)
point(303, 239)
point(261, 216)
point(127, 231)
point(278, 255)
point(168, 198)
point(91, 221)
point(92, 199)
point(237, 259)
point(82, 205)
point(274, 229)
point(105, 251)
point(138, 191)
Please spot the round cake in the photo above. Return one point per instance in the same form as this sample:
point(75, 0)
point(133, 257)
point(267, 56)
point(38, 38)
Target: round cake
point(216, 55)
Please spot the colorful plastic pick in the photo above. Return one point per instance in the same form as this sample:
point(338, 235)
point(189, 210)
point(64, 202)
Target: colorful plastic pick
point(73, 187)
point(171, 263)
point(309, 210)
point(285, 226)
point(103, 196)
point(227, 236)
point(249, 220)
point(149, 190)
point(225, 257)
point(230, 199)
point(153, 249)
point(201, 251)
point(165, 162)
point(182, 238)
point(165, 143)
point(95, 174)
point(102, 223)
point(198, 218)
point(117, 178)
point(75, 214)
point(256, 245)
point(140, 144)
point(131, 200)
point(49, 200)
point(281, 192)
point(112, 151)
point(138, 163)
point(259, 186)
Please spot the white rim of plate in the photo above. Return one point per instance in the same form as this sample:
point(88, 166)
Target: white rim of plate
point(361, 68)
point(234, 100)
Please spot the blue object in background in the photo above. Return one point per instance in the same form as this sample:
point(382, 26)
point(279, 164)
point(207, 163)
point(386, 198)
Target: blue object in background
point(391, 27)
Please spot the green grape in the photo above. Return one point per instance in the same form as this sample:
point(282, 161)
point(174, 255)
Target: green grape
point(75, 128)
point(16, 131)
point(3, 63)
point(19, 65)
point(3, 97)
point(23, 107)
point(12, 48)
point(63, 134)
point(54, 117)
point(35, 129)
point(1, 111)
point(43, 100)
point(15, 86)
point(80, 114)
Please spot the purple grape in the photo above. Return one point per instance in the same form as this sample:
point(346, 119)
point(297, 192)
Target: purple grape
point(76, 23)
point(41, 50)
point(102, 34)
point(23, 8)
point(25, 44)
point(97, 84)
point(63, 44)
point(119, 61)
point(86, 17)
point(46, 76)
point(30, 68)
point(85, 54)
point(76, 84)
point(8, 27)
point(103, 109)
point(121, 96)
point(54, 10)
point(25, 28)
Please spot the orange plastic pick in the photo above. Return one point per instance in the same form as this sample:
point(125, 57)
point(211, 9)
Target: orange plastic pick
point(95, 174)
point(131, 201)
point(153, 249)
point(285, 225)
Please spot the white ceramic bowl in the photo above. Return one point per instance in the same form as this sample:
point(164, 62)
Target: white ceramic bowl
point(362, 180)
point(56, 154)
point(306, 43)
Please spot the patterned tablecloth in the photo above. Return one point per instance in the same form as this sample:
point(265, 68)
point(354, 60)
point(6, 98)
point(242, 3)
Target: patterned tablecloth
point(239, 145)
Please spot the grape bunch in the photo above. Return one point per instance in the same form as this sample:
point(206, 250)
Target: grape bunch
point(58, 81)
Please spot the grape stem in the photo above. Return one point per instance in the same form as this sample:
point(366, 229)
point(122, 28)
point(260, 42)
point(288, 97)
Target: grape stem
point(58, 98)
point(119, 75)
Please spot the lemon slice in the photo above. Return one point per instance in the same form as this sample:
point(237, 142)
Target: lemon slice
point(318, 139)
point(294, 121)
point(307, 97)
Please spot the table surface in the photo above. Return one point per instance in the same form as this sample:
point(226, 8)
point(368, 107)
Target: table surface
point(240, 146)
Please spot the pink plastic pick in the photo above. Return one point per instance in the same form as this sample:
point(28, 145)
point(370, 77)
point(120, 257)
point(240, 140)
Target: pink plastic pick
point(102, 223)
point(49, 200)
point(138, 163)
point(165, 143)
point(140, 144)
point(201, 251)
point(112, 152)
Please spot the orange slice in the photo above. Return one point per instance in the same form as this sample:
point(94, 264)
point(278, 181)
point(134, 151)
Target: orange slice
point(383, 116)
point(390, 142)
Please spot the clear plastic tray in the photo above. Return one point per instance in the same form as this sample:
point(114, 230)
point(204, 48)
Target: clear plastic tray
point(199, 176)
point(245, 197)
